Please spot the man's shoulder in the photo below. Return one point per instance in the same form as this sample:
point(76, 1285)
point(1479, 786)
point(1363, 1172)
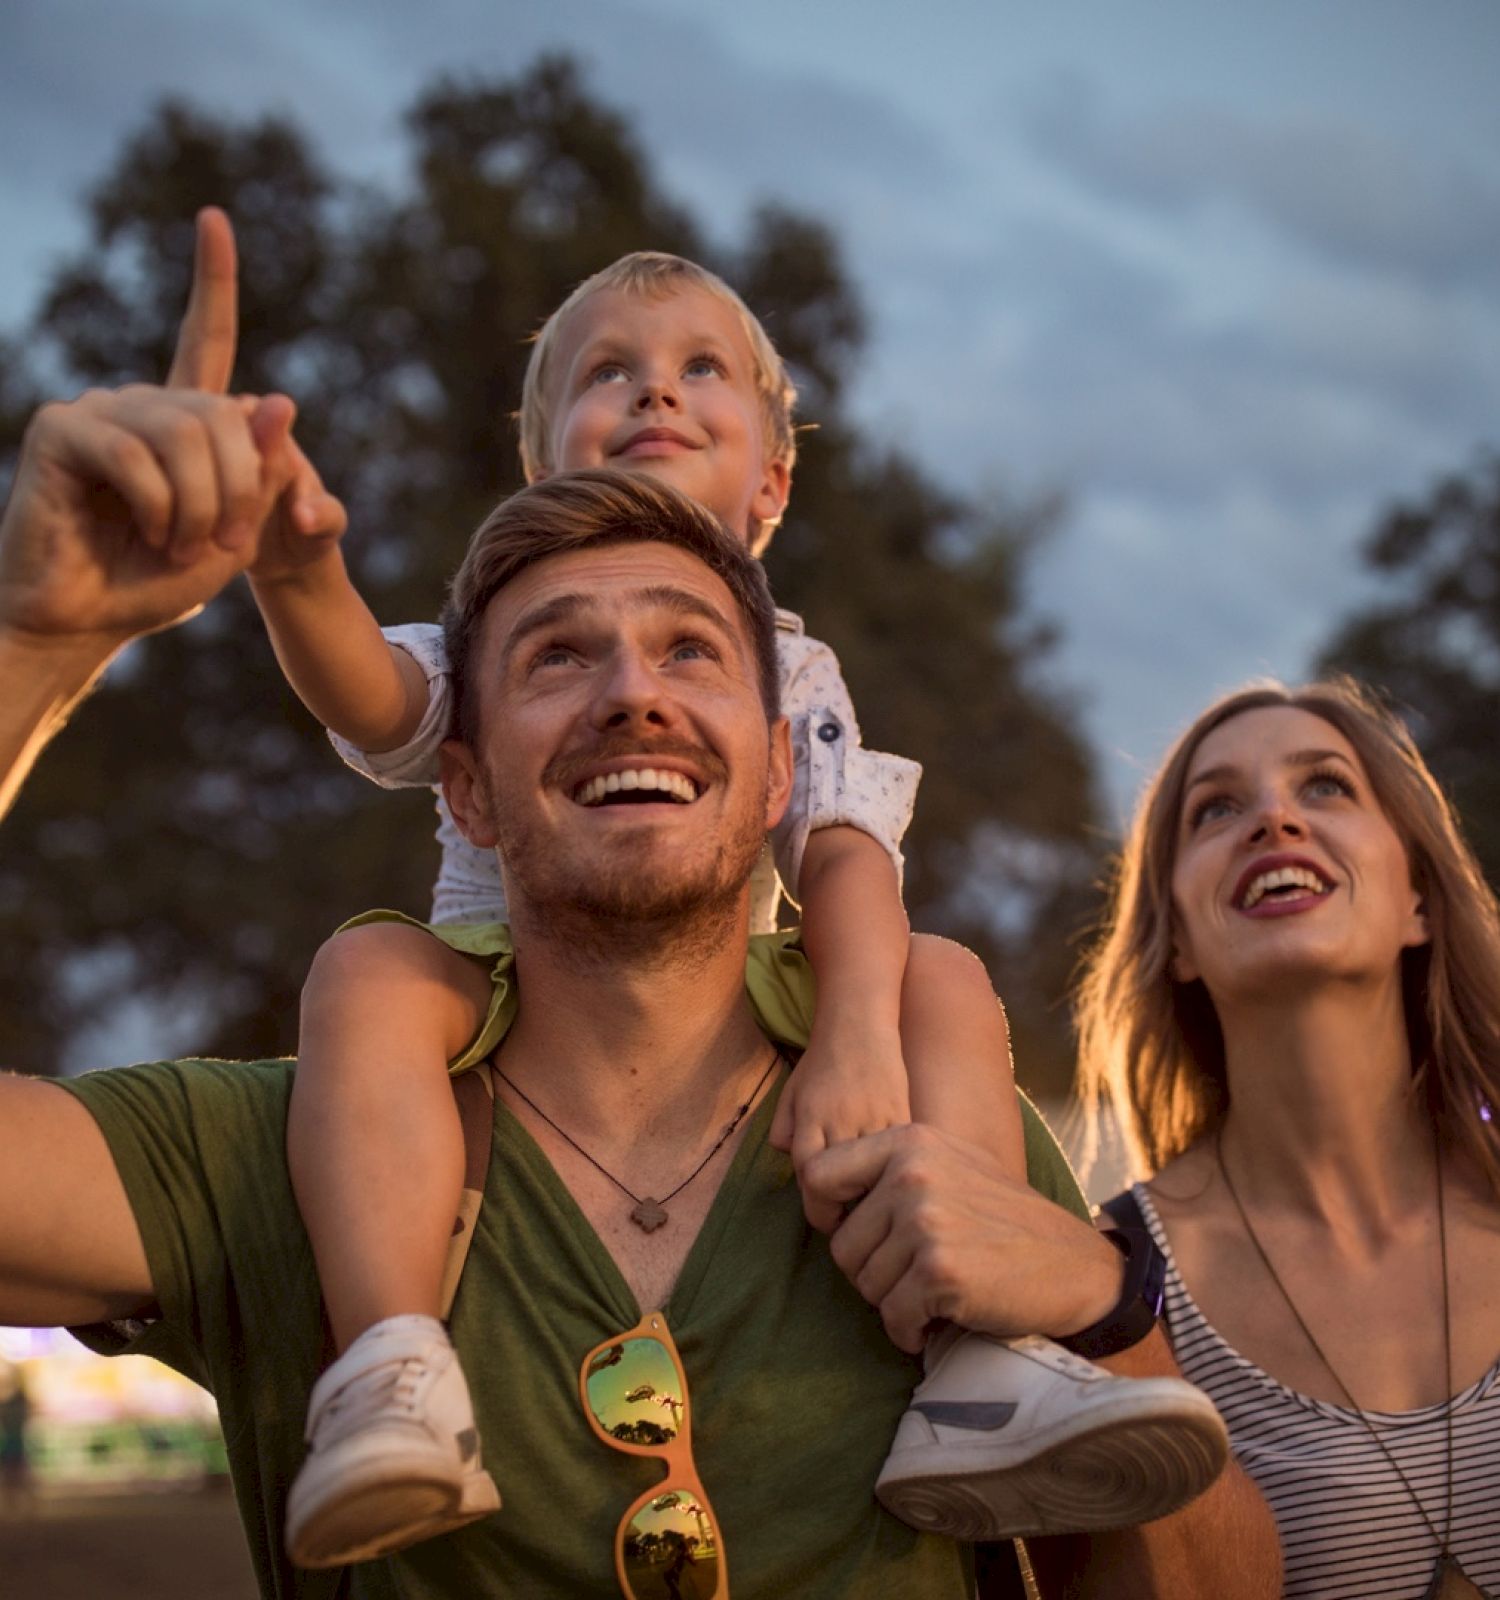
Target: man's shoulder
point(192, 1089)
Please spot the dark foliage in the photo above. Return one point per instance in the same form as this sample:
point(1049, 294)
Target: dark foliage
point(1432, 640)
point(192, 840)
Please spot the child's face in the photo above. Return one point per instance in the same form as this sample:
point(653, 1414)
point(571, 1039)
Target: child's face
point(665, 385)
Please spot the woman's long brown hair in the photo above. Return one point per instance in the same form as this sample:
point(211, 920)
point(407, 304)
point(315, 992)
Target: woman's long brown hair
point(1152, 1046)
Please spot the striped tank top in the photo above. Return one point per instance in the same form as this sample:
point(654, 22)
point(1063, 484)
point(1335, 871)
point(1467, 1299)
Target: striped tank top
point(1349, 1530)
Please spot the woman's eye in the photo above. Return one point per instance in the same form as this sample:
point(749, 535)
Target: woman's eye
point(1328, 786)
point(1210, 810)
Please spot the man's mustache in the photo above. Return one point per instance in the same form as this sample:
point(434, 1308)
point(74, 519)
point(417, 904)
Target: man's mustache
point(566, 772)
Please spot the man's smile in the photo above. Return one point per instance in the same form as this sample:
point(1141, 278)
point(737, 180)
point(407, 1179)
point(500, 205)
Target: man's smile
point(636, 785)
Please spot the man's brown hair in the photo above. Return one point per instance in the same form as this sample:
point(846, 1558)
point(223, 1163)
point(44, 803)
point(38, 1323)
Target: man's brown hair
point(587, 510)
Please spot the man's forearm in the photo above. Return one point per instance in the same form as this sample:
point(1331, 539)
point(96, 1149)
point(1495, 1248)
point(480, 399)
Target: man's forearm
point(41, 680)
point(337, 660)
point(1223, 1544)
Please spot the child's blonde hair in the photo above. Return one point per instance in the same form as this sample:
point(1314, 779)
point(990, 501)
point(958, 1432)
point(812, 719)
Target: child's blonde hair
point(655, 274)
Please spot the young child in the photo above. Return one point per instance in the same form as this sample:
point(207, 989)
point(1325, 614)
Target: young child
point(654, 365)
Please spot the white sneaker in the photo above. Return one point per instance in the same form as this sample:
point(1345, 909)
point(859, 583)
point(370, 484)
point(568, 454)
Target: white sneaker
point(1009, 1439)
point(393, 1453)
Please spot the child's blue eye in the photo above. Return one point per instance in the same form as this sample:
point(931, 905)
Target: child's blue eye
point(704, 367)
point(609, 372)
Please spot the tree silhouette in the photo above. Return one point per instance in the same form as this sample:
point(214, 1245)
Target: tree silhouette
point(192, 841)
point(1432, 639)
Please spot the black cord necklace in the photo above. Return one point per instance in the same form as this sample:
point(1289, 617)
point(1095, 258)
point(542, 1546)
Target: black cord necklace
point(1449, 1580)
point(649, 1214)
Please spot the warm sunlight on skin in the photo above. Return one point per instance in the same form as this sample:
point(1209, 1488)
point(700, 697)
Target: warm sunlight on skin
point(1287, 868)
point(665, 385)
point(627, 657)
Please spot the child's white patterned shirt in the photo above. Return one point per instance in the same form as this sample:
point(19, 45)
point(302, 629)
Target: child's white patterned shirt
point(836, 780)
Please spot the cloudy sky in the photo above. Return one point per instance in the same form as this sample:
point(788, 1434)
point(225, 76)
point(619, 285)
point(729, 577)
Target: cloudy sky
point(1228, 278)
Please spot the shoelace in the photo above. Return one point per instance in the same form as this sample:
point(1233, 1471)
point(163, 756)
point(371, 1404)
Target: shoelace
point(388, 1387)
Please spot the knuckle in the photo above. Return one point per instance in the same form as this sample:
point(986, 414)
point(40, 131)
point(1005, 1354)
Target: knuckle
point(47, 420)
point(125, 452)
point(182, 430)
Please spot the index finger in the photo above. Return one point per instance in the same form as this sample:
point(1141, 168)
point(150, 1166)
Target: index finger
point(206, 341)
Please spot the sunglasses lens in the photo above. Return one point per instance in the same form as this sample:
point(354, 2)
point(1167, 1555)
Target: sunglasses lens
point(635, 1393)
point(671, 1550)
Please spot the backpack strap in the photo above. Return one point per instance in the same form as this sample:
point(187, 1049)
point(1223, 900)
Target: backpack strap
point(474, 1095)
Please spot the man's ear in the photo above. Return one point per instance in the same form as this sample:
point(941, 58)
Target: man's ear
point(779, 773)
point(467, 796)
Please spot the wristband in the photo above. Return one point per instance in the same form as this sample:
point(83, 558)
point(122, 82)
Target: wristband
point(1135, 1313)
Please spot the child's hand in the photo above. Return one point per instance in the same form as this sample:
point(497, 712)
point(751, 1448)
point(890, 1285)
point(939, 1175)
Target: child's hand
point(305, 526)
point(307, 522)
point(843, 1086)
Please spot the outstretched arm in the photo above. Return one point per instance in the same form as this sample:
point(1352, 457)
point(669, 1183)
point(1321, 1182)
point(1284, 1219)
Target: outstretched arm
point(132, 509)
point(327, 641)
point(129, 511)
point(70, 1250)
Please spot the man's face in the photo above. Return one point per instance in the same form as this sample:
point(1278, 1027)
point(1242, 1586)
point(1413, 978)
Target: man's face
point(665, 385)
point(625, 769)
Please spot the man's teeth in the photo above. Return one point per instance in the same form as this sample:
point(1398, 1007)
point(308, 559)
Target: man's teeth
point(1281, 878)
point(675, 785)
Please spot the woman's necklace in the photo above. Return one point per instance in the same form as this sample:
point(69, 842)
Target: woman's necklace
point(648, 1214)
point(1449, 1580)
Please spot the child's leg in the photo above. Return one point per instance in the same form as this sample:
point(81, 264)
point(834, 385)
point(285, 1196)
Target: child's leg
point(1010, 1438)
point(373, 1138)
point(375, 1149)
point(957, 1050)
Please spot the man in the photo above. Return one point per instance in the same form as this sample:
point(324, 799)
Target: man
point(161, 1192)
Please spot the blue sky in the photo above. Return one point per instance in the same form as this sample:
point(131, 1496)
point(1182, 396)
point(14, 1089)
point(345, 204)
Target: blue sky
point(1228, 279)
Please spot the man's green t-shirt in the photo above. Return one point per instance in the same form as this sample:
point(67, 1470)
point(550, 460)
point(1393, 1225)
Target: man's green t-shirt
point(794, 1387)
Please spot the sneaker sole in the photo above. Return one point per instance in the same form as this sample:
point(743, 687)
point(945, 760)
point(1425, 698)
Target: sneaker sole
point(407, 1511)
point(1111, 1476)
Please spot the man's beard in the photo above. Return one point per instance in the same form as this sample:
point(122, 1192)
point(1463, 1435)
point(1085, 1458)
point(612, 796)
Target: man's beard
point(637, 899)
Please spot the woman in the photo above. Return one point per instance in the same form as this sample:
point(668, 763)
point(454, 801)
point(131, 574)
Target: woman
point(1296, 1010)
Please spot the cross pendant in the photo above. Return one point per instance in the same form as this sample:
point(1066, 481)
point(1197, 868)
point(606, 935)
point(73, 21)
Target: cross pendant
point(648, 1215)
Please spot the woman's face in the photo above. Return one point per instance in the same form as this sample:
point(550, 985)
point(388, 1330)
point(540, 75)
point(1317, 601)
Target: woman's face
point(1287, 871)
